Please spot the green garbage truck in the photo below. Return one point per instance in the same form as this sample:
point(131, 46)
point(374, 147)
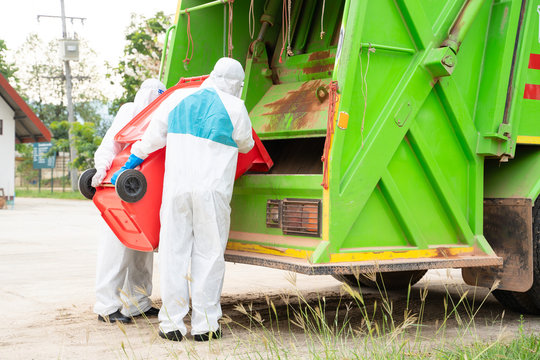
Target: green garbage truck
point(404, 134)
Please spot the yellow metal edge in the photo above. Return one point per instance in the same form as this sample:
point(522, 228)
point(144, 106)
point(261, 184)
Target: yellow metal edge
point(353, 257)
point(177, 11)
point(523, 139)
point(286, 252)
point(409, 254)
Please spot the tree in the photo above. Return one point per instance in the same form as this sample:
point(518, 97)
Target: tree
point(142, 55)
point(8, 69)
point(42, 85)
point(25, 168)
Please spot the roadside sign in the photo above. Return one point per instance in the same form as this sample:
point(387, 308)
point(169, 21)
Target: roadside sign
point(40, 160)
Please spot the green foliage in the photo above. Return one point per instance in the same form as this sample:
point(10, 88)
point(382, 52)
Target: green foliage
point(86, 142)
point(142, 55)
point(25, 168)
point(7, 69)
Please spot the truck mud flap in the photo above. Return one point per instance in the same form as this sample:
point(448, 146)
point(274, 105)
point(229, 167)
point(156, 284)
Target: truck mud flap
point(508, 229)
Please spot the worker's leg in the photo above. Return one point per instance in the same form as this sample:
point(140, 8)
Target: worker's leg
point(175, 243)
point(211, 220)
point(112, 264)
point(138, 287)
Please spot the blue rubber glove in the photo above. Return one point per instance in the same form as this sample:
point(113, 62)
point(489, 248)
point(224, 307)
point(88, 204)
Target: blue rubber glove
point(132, 163)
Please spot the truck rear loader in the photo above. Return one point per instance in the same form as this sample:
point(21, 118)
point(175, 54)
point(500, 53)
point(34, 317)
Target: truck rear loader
point(404, 134)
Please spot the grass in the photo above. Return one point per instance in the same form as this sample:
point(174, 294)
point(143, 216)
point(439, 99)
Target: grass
point(46, 193)
point(360, 324)
point(358, 327)
point(523, 347)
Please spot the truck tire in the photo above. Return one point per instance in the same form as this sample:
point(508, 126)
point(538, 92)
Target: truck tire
point(85, 184)
point(131, 185)
point(397, 280)
point(526, 302)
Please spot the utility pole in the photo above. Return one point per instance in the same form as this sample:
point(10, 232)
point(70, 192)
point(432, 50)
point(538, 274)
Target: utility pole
point(69, 88)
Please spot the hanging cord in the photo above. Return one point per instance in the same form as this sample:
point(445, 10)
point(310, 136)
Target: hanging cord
point(283, 27)
point(251, 17)
point(190, 42)
point(322, 17)
point(230, 46)
point(329, 131)
point(289, 50)
point(364, 88)
point(285, 30)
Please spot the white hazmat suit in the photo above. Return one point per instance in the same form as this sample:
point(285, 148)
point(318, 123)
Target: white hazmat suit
point(203, 133)
point(123, 275)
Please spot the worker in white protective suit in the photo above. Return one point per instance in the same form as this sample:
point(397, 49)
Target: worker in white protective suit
point(123, 276)
point(203, 132)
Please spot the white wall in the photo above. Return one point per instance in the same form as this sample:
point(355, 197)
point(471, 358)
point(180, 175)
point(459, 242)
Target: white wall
point(7, 150)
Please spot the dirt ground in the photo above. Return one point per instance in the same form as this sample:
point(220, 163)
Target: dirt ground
point(47, 262)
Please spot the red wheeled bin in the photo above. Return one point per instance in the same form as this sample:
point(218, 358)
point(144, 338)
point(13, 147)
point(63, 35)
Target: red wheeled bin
point(131, 208)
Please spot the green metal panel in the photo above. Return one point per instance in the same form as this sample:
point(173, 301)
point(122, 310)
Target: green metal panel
point(524, 112)
point(517, 178)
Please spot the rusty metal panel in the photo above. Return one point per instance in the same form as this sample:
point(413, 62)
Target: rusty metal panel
point(508, 229)
point(304, 266)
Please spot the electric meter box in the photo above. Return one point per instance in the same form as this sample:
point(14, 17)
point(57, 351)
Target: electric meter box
point(69, 49)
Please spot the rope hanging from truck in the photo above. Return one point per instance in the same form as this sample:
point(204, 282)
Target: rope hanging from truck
point(329, 131)
point(251, 18)
point(189, 42)
point(230, 32)
point(286, 29)
point(322, 18)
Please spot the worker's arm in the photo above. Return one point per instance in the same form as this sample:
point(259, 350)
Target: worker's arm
point(242, 133)
point(109, 148)
point(154, 138)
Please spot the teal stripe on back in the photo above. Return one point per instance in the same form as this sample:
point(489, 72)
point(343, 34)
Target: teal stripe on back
point(203, 115)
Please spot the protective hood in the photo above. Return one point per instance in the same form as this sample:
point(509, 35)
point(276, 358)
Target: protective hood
point(227, 76)
point(149, 91)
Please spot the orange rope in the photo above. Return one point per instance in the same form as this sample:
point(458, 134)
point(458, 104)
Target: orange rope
point(283, 30)
point(190, 41)
point(329, 131)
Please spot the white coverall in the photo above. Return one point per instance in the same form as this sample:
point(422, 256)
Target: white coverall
point(122, 272)
point(203, 133)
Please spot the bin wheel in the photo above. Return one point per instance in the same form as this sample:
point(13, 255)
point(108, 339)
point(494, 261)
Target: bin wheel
point(85, 184)
point(397, 280)
point(527, 302)
point(131, 185)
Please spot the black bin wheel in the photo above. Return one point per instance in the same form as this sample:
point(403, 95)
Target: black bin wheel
point(131, 185)
point(398, 280)
point(85, 184)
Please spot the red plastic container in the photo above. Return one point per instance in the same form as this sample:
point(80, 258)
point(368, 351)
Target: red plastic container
point(137, 224)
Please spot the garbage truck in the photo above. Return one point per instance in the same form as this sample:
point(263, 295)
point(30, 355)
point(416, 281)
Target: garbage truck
point(404, 136)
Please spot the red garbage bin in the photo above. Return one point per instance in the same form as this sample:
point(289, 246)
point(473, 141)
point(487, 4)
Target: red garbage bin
point(137, 224)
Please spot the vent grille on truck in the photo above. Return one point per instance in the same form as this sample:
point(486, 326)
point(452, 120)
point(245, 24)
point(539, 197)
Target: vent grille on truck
point(273, 213)
point(301, 217)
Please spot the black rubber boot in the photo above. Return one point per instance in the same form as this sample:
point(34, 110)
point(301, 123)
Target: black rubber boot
point(114, 317)
point(175, 335)
point(207, 336)
point(149, 313)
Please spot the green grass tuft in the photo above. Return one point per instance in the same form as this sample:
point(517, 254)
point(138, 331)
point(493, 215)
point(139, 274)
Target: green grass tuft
point(46, 193)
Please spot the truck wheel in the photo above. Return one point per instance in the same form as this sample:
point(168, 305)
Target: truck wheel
point(527, 302)
point(388, 280)
point(85, 184)
point(131, 185)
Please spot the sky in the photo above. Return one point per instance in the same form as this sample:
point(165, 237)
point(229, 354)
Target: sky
point(104, 27)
